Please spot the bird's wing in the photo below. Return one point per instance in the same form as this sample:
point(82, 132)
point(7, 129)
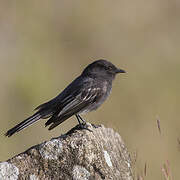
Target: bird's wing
point(80, 101)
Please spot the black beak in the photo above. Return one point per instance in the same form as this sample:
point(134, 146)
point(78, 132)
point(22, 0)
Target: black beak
point(120, 71)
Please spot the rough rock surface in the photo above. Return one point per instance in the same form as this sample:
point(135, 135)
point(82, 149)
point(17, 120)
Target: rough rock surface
point(79, 155)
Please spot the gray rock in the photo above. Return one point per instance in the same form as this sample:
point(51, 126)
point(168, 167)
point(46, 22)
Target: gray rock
point(79, 154)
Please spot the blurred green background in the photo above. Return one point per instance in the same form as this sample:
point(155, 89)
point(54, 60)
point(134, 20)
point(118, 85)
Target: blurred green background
point(44, 45)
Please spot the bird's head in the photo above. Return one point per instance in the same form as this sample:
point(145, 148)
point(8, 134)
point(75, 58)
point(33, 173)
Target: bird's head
point(102, 68)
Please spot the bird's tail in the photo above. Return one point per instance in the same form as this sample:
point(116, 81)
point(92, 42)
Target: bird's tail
point(27, 122)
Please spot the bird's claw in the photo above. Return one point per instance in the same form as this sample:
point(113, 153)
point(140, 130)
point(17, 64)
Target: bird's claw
point(95, 126)
point(84, 126)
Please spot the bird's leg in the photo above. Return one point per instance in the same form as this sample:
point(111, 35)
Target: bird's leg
point(78, 119)
point(82, 124)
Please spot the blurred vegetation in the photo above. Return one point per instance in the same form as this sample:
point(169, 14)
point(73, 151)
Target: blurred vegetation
point(46, 44)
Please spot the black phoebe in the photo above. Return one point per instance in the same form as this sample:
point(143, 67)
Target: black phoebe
point(86, 93)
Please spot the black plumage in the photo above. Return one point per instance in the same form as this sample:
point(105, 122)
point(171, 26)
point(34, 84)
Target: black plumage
point(86, 93)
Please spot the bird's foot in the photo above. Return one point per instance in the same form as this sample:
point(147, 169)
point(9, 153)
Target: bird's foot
point(95, 126)
point(84, 126)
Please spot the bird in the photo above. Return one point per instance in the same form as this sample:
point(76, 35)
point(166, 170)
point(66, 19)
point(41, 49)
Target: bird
point(86, 93)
